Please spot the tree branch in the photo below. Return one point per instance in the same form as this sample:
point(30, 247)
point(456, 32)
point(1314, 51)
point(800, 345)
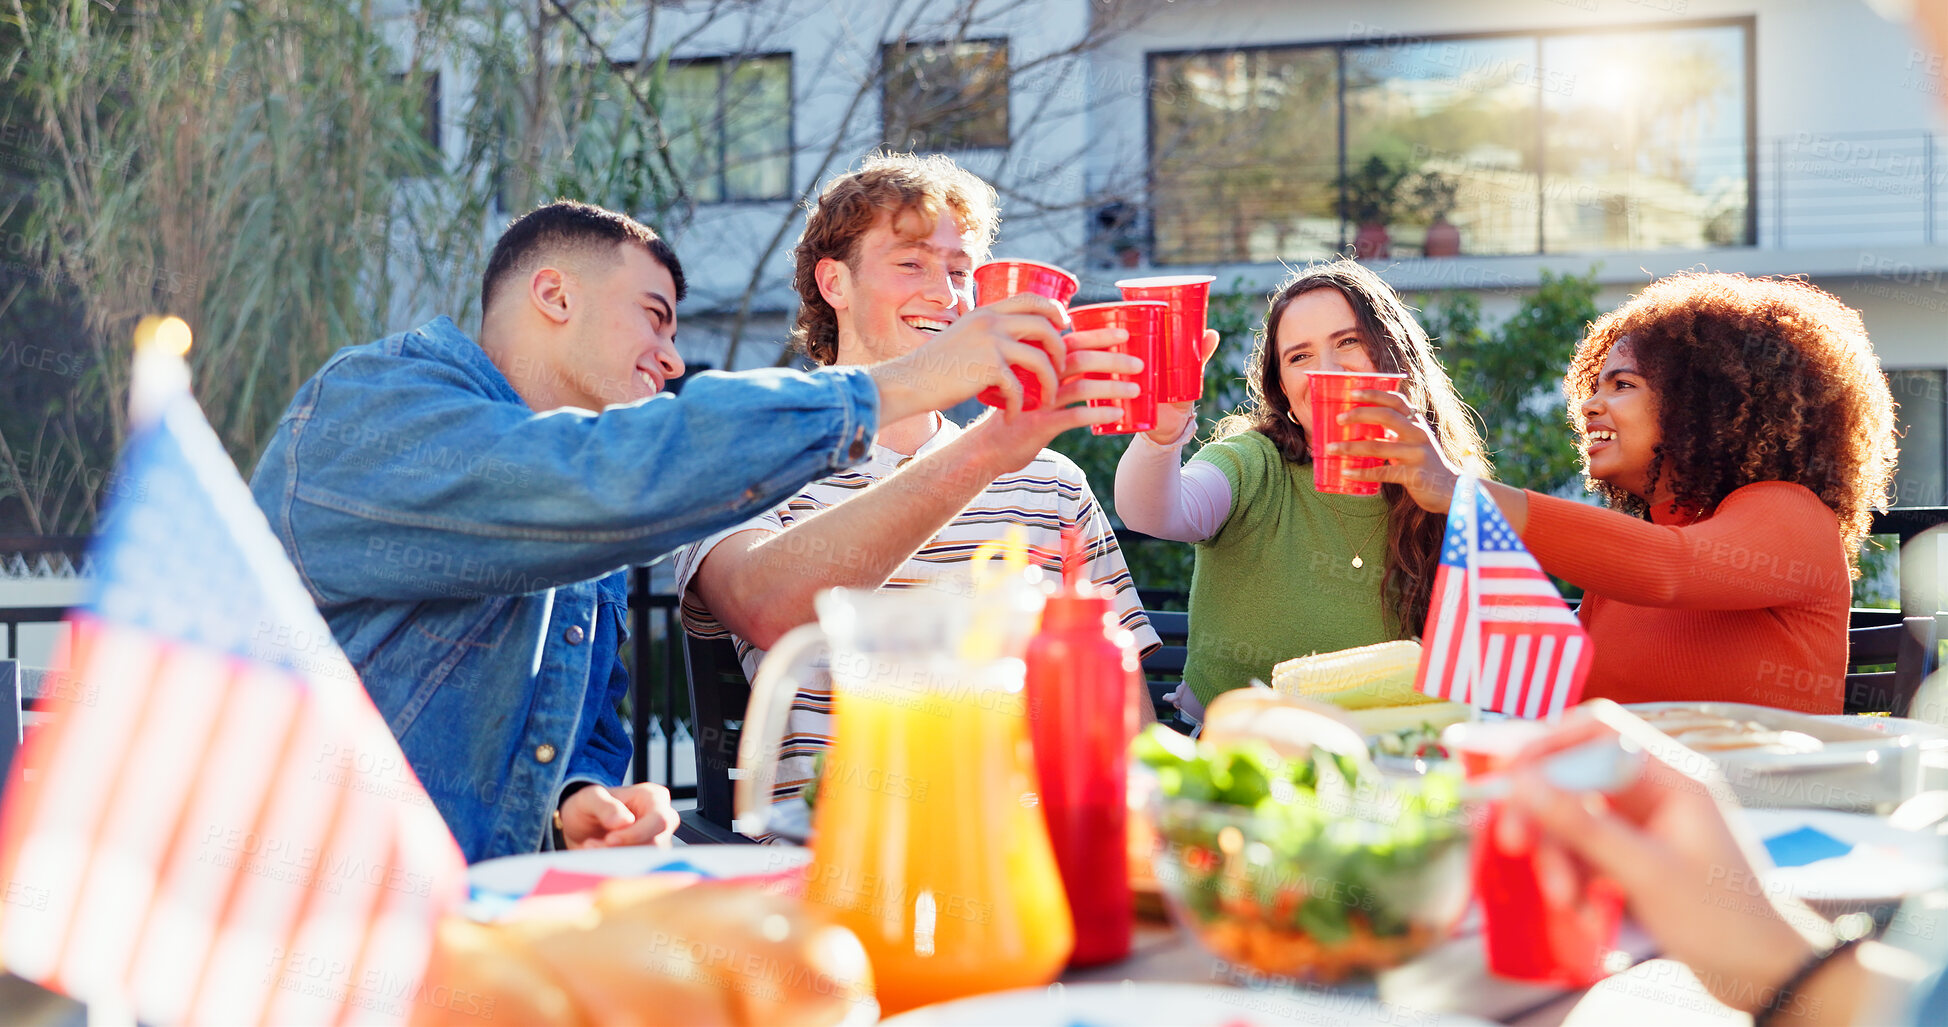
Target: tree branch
point(866, 87)
point(659, 136)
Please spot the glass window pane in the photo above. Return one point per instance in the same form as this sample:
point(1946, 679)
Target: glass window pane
point(1923, 396)
point(1244, 149)
point(695, 127)
point(1646, 149)
point(1452, 124)
point(946, 96)
point(757, 130)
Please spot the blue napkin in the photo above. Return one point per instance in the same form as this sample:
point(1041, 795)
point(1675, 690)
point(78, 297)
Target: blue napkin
point(685, 867)
point(1805, 845)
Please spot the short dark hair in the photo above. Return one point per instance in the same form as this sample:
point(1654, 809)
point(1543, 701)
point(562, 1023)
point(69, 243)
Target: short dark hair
point(568, 225)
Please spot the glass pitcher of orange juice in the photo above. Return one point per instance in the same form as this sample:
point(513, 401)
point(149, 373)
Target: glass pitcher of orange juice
point(928, 840)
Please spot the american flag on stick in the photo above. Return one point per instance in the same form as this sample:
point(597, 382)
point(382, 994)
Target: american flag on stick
point(1498, 634)
point(219, 827)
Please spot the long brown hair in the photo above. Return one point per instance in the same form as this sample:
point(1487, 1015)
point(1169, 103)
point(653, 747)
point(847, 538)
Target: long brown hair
point(1397, 344)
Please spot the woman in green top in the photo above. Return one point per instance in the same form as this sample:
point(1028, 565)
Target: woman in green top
point(1283, 570)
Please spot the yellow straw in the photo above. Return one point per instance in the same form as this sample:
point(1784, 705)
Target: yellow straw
point(988, 631)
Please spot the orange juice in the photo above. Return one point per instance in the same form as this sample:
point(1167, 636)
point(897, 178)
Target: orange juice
point(929, 841)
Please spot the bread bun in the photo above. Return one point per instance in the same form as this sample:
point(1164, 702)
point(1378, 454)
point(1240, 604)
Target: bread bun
point(1292, 727)
point(485, 972)
point(708, 955)
point(711, 956)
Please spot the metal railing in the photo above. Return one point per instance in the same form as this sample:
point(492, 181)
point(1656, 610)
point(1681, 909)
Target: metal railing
point(656, 678)
point(658, 698)
point(1808, 190)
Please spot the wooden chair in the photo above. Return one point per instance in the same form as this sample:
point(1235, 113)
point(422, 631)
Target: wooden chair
point(1910, 645)
point(718, 695)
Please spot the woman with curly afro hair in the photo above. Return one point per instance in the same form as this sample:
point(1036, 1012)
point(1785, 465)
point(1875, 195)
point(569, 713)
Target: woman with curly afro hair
point(1741, 429)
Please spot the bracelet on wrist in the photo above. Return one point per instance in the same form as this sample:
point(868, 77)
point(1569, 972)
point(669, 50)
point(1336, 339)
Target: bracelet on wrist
point(1787, 994)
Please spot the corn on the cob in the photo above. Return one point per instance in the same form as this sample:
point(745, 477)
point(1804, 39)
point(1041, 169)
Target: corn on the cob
point(1381, 720)
point(1355, 679)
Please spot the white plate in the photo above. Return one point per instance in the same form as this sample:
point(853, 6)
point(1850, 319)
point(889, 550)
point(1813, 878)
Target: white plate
point(517, 875)
point(1886, 865)
point(1185, 1005)
point(1928, 736)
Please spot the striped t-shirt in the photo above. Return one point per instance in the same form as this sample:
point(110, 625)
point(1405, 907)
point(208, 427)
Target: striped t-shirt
point(1044, 497)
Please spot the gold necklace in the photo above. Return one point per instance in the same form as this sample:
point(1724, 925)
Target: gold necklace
point(1348, 536)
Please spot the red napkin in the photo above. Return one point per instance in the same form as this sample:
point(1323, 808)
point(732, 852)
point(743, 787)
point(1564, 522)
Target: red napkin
point(562, 882)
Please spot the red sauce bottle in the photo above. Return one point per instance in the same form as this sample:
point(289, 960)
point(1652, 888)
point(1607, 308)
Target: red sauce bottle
point(1083, 680)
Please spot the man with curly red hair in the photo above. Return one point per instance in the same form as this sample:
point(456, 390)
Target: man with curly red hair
point(1742, 430)
point(884, 264)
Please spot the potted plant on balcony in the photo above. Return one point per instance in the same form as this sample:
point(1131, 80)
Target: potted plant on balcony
point(1369, 197)
point(1435, 194)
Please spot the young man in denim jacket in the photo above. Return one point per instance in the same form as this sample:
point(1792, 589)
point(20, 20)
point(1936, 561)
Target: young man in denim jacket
point(461, 511)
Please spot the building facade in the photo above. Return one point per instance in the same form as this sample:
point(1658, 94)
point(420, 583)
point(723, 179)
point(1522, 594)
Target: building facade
point(1455, 146)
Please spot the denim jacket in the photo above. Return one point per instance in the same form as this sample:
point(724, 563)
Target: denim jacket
point(461, 546)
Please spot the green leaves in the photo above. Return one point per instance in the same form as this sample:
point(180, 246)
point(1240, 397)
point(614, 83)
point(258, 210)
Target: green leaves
point(1306, 844)
point(1512, 375)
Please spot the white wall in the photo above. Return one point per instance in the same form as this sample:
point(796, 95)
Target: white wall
point(1824, 71)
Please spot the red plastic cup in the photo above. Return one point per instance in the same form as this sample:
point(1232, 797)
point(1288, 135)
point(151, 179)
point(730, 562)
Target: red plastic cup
point(1529, 937)
point(1331, 395)
point(997, 280)
point(1189, 296)
point(1143, 319)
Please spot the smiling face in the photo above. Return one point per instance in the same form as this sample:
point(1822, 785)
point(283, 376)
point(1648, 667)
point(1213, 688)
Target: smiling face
point(1620, 428)
point(1317, 332)
point(623, 346)
point(903, 284)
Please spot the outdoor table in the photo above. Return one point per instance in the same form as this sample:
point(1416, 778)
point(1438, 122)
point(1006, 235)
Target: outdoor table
point(1451, 977)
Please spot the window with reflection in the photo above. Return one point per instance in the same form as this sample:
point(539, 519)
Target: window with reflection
point(727, 121)
point(1647, 149)
point(1922, 419)
point(946, 96)
point(1244, 147)
point(1499, 144)
point(729, 126)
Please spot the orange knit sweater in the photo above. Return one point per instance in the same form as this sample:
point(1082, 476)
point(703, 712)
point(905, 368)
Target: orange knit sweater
point(1747, 605)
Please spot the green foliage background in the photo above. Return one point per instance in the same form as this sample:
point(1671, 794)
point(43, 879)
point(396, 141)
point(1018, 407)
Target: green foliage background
point(264, 169)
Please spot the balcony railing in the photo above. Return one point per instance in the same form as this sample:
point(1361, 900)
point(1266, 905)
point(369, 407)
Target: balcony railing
point(1869, 189)
point(1807, 190)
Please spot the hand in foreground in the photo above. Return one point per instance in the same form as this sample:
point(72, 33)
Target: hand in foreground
point(1414, 459)
point(599, 816)
point(1171, 416)
point(1009, 440)
point(975, 352)
point(1667, 841)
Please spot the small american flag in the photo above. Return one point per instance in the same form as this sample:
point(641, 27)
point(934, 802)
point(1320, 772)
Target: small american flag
point(1498, 634)
point(219, 828)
